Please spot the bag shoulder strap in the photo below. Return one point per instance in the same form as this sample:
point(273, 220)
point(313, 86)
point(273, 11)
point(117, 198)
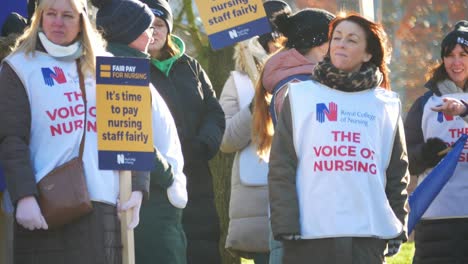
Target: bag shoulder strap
point(83, 93)
point(277, 88)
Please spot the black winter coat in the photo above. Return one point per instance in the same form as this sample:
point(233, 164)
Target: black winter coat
point(414, 133)
point(200, 123)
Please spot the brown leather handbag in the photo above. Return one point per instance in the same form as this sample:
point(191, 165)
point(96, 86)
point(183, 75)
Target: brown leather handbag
point(63, 193)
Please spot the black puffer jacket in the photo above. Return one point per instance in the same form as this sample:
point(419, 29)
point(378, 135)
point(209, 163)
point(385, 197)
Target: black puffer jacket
point(196, 111)
point(200, 123)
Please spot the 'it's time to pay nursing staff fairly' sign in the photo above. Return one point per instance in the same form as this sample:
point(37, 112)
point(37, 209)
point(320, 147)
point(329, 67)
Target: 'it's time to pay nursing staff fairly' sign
point(229, 21)
point(123, 105)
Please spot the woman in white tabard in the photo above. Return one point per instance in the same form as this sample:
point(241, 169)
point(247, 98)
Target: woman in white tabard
point(436, 120)
point(306, 33)
point(338, 167)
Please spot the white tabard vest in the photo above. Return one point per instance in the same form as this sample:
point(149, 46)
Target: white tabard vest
point(57, 117)
point(452, 201)
point(252, 170)
point(343, 142)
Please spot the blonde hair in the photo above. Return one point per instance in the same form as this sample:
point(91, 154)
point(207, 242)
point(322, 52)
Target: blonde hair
point(91, 41)
point(262, 124)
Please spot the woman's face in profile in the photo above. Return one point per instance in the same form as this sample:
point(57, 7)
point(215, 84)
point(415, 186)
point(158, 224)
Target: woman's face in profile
point(61, 23)
point(348, 47)
point(160, 34)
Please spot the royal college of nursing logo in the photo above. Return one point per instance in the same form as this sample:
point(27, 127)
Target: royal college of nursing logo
point(331, 113)
point(120, 159)
point(57, 75)
point(441, 116)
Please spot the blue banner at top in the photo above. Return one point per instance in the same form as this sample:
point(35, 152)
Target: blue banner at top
point(122, 71)
point(239, 33)
point(2, 181)
point(9, 6)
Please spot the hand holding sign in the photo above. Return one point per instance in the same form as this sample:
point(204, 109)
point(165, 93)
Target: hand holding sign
point(133, 204)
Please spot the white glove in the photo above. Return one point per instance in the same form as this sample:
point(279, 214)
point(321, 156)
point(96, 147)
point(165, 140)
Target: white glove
point(133, 203)
point(177, 194)
point(28, 214)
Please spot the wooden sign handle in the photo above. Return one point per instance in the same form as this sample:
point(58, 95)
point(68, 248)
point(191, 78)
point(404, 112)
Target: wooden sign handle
point(128, 250)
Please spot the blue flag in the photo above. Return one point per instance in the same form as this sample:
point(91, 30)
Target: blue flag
point(2, 181)
point(430, 187)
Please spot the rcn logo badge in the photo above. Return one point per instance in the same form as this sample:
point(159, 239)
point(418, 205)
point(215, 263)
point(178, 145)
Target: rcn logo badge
point(233, 34)
point(331, 113)
point(441, 116)
point(50, 76)
point(123, 160)
point(120, 159)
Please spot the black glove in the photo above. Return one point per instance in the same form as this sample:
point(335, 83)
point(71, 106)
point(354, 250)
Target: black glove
point(393, 247)
point(162, 173)
point(430, 150)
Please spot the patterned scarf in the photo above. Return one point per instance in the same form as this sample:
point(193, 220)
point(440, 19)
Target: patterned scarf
point(368, 77)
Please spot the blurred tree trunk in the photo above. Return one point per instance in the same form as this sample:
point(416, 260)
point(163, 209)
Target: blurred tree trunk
point(221, 166)
point(220, 63)
point(348, 5)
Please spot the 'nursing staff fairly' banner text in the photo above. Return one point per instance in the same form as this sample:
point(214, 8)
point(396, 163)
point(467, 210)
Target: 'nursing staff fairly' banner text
point(229, 21)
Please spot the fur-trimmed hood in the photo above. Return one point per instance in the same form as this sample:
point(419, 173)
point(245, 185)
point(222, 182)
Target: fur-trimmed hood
point(6, 44)
point(249, 57)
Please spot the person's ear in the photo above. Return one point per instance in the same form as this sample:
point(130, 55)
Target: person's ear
point(367, 57)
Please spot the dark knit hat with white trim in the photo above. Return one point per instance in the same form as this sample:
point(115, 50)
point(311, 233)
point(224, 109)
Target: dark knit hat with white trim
point(122, 21)
point(161, 9)
point(459, 35)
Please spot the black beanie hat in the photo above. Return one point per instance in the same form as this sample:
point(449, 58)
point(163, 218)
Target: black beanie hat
point(459, 35)
point(275, 6)
point(161, 9)
point(272, 8)
point(122, 21)
point(14, 24)
point(305, 29)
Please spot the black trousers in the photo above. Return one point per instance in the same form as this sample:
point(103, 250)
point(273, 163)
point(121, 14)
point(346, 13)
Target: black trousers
point(441, 241)
point(340, 250)
point(92, 239)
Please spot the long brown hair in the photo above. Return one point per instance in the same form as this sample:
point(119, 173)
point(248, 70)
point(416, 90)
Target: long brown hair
point(169, 50)
point(376, 40)
point(262, 124)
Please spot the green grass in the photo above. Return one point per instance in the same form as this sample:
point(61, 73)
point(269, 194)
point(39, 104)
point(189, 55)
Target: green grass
point(405, 256)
